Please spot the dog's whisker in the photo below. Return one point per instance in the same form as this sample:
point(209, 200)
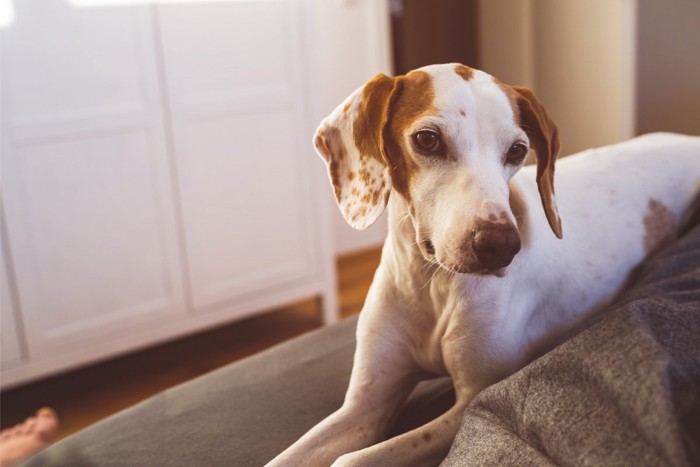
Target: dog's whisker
point(402, 220)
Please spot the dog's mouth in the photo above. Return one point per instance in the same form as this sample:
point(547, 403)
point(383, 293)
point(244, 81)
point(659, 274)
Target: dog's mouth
point(473, 267)
point(475, 270)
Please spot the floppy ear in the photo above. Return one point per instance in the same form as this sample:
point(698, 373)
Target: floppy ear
point(544, 137)
point(350, 141)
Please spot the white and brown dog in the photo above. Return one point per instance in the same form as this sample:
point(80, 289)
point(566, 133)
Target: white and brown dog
point(480, 272)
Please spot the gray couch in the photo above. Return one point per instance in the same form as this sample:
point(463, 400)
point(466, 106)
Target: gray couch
point(626, 391)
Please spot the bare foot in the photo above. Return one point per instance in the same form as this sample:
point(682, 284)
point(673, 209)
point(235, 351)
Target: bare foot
point(22, 441)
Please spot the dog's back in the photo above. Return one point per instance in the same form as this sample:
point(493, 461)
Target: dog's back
point(618, 203)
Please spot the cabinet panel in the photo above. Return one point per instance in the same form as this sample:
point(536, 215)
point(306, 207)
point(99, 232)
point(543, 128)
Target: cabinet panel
point(226, 49)
point(64, 62)
point(87, 186)
point(93, 229)
point(241, 145)
point(242, 203)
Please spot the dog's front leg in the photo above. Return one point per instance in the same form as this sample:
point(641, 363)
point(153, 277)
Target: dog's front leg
point(382, 377)
point(426, 445)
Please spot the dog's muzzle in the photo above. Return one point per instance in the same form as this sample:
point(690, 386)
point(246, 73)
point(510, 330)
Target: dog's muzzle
point(495, 245)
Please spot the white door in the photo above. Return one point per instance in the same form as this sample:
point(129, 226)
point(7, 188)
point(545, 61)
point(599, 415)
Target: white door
point(87, 187)
point(234, 77)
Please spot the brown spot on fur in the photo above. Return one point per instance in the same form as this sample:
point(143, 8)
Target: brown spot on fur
point(464, 71)
point(462, 113)
point(427, 436)
point(365, 176)
point(412, 99)
point(355, 192)
point(659, 224)
point(375, 196)
point(346, 109)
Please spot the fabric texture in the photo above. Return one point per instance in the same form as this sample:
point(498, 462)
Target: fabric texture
point(624, 392)
point(243, 414)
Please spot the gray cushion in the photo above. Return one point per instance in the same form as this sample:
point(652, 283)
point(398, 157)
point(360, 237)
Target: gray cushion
point(242, 414)
point(624, 392)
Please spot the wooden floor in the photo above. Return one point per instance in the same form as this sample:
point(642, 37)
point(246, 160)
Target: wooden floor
point(87, 395)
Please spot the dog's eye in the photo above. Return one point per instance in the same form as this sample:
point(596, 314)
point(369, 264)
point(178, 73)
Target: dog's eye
point(516, 153)
point(427, 140)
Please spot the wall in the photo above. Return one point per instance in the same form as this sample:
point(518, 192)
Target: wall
point(584, 65)
point(668, 66)
point(352, 45)
point(506, 41)
point(577, 55)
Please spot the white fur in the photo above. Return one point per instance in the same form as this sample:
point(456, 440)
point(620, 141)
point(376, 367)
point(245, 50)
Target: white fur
point(421, 319)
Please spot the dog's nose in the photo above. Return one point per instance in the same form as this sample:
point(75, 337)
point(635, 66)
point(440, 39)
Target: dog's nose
point(496, 245)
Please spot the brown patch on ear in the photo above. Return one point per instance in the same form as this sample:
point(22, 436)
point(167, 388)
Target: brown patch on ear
point(372, 115)
point(464, 71)
point(412, 99)
point(543, 133)
point(659, 225)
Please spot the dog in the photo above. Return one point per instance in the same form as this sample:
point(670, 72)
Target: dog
point(483, 269)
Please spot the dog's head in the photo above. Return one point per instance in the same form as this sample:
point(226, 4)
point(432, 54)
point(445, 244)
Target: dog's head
point(446, 138)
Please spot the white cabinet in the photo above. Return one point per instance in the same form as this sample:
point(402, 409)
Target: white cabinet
point(242, 149)
point(157, 174)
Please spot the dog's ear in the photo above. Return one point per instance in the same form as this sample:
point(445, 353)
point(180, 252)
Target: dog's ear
point(350, 141)
point(544, 137)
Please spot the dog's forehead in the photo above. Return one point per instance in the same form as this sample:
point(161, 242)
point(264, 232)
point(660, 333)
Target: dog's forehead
point(457, 88)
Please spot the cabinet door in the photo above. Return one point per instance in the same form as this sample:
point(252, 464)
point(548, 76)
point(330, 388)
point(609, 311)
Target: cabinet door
point(86, 181)
point(242, 145)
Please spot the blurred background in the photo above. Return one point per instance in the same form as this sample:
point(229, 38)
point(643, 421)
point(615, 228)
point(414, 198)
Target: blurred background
point(163, 211)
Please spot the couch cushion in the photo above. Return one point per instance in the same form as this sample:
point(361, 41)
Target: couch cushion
point(624, 392)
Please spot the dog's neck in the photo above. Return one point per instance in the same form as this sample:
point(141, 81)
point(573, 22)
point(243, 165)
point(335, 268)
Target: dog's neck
point(429, 289)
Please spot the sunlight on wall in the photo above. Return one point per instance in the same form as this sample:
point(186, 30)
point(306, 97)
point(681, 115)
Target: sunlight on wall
point(7, 13)
point(7, 9)
point(108, 3)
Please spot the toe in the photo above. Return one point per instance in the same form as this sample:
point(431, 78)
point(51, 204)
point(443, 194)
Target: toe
point(46, 423)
